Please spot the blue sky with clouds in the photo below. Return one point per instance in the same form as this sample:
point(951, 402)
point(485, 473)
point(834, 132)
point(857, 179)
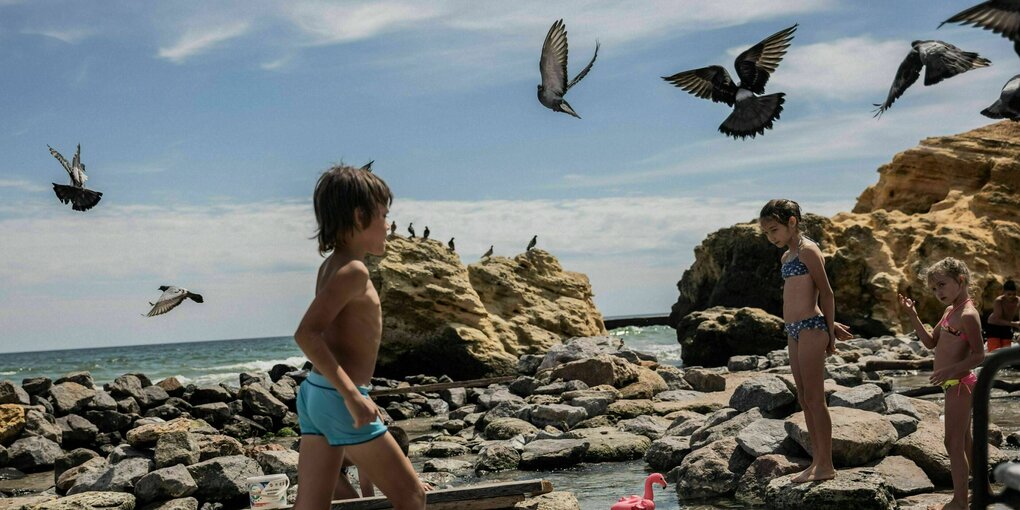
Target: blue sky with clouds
point(206, 124)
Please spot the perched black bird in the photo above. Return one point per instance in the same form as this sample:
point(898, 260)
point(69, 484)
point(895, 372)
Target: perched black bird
point(940, 60)
point(410, 228)
point(393, 228)
point(534, 241)
point(80, 198)
point(450, 245)
point(368, 166)
point(425, 235)
point(1008, 104)
point(752, 114)
point(553, 67)
point(171, 297)
point(488, 253)
point(1000, 16)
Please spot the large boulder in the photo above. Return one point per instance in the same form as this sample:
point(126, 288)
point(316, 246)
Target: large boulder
point(166, 483)
point(755, 481)
point(119, 477)
point(470, 321)
point(858, 437)
point(712, 471)
point(903, 476)
point(710, 337)
point(12, 422)
point(70, 397)
point(223, 478)
point(606, 444)
point(553, 453)
point(767, 393)
point(860, 489)
point(597, 370)
point(33, 453)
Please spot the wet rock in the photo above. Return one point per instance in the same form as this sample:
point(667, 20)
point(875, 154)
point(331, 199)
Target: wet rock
point(166, 483)
point(91, 501)
point(176, 447)
point(36, 385)
point(12, 422)
point(34, 453)
point(497, 457)
point(558, 415)
point(853, 488)
point(552, 453)
point(70, 397)
point(118, 477)
point(279, 462)
point(223, 478)
point(867, 397)
point(858, 437)
point(83, 378)
point(765, 437)
point(667, 453)
point(754, 482)
point(607, 444)
point(711, 471)
point(506, 428)
point(903, 476)
point(767, 393)
point(747, 362)
point(76, 431)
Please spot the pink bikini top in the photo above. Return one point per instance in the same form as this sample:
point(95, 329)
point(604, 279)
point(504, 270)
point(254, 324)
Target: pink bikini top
point(944, 323)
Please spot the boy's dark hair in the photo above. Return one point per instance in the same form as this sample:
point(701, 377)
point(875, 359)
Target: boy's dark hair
point(340, 193)
point(1009, 286)
point(781, 209)
point(400, 436)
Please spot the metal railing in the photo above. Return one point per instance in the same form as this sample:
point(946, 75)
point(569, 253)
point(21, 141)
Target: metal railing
point(982, 494)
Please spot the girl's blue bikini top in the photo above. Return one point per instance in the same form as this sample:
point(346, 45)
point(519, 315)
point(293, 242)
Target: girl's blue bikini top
point(794, 266)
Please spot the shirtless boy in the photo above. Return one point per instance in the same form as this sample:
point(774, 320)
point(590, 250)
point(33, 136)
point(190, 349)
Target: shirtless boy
point(340, 335)
point(1003, 320)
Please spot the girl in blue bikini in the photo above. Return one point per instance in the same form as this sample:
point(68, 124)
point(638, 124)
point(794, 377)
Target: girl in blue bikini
point(958, 349)
point(809, 313)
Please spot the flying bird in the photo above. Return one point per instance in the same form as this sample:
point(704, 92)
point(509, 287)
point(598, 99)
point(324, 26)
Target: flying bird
point(171, 297)
point(752, 113)
point(450, 245)
point(534, 241)
point(368, 166)
point(393, 228)
point(940, 60)
point(1000, 16)
point(553, 67)
point(488, 253)
point(1008, 104)
point(425, 235)
point(410, 228)
point(80, 198)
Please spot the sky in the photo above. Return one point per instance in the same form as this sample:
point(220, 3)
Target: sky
point(206, 125)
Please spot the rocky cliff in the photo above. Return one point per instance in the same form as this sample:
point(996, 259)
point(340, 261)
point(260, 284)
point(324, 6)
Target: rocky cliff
point(442, 317)
point(949, 196)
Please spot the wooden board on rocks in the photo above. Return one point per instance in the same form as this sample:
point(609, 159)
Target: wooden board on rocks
point(476, 497)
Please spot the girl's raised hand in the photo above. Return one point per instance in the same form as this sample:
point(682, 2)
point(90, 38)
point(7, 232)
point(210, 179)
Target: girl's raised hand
point(907, 303)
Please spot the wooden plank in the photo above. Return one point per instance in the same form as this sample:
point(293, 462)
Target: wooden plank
point(457, 497)
point(424, 388)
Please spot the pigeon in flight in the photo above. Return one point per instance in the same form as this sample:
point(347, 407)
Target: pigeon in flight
point(393, 228)
point(80, 198)
point(368, 166)
point(752, 113)
point(1000, 16)
point(410, 228)
point(425, 235)
point(1008, 104)
point(450, 245)
point(488, 253)
point(534, 241)
point(553, 67)
point(171, 297)
point(940, 60)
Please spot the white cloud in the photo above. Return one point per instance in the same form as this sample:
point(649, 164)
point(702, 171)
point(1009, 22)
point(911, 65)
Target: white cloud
point(329, 23)
point(195, 41)
point(69, 36)
point(845, 69)
point(21, 184)
point(273, 65)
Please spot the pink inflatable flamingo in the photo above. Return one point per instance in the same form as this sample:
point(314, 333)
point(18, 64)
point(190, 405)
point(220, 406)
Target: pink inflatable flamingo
point(637, 502)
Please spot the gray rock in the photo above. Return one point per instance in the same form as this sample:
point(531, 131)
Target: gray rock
point(284, 393)
point(70, 397)
point(711, 471)
point(766, 392)
point(552, 453)
point(436, 407)
point(667, 453)
point(497, 457)
point(729, 428)
point(91, 501)
point(845, 375)
point(279, 462)
point(256, 377)
point(172, 386)
point(754, 481)
point(446, 449)
point(42, 425)
point(446, 466)
point(72, 459)
point(674, 377)
point(745, 363)
point(36, 385)
point(854, 488)
point(556, 500)
point(766, 436)
point(705, 380)
point(125, 386)
point(176, 448)
point(679, 396)
point(11, 393)
point(867, 397)
point(153, 396)
point(560, 387)
point(858, 437)
point(492, 397)
point(223, 478)
point(578, 349)
point(103, 401)
point(129, 406)
point(209, 394)
point(903, 477)
point(83, 378)
point(506, 428)
point(174, 504)
point(166, 483)
point(528, 364)
point(33, 453)
point(593, 401)
point(215, 413)
point(778, 357)
point(505, 409)
point(69, 477)
point(558, 415)
point(606, 444)
point(119, 477)
point(218, 445)
point(652, 427)
point(524, 386)
point(125, 451)
point(903, 423)
point(456, 397)
point(76, 431)
point(899, 404)
point(258, 400)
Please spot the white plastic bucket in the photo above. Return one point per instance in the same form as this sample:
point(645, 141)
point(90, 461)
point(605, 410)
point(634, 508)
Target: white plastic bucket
point(268, 491)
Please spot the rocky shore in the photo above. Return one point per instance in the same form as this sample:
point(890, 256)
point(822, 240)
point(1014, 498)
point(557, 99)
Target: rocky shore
point(733, 431)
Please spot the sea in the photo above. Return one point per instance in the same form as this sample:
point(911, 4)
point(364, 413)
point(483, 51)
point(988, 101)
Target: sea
point(597, 486)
